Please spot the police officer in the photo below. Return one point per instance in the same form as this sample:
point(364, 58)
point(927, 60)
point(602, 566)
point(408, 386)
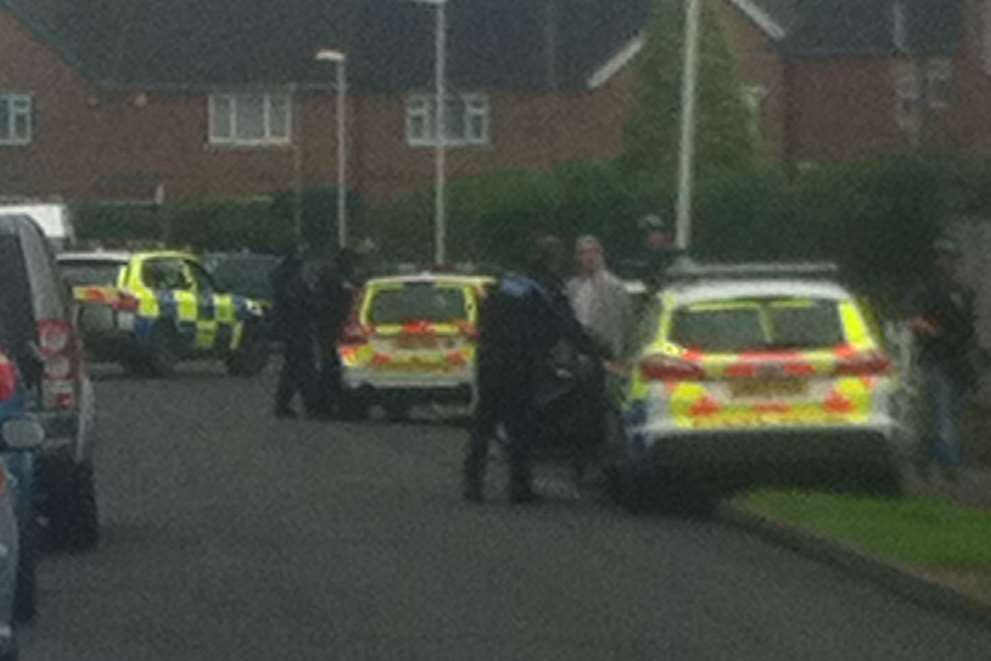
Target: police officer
point(294, 311)
point(524, 320)
point(335, 294)
point(658, 252)
point(943, 324)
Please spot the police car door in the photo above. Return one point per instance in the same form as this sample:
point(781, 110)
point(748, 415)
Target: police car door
point(168, 280)
point(206, 306)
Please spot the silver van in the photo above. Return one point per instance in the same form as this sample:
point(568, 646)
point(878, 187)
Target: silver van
point(40, 315)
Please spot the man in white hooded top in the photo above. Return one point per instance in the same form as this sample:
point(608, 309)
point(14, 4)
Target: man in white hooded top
point(600, 301)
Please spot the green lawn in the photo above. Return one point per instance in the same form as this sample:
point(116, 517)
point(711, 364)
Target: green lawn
point(919, 530)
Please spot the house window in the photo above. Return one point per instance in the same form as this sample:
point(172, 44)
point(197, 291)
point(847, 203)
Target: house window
point(986, 35)
point(15, 119)
point(250, 119)
point(754, 99)
point(939, 74)
point(907, 95)
point(466, 120)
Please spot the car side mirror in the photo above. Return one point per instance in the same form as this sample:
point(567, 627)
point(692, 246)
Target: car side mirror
point(23, 434)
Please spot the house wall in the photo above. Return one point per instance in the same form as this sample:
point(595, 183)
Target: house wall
point(528, 131)
point(759, 65)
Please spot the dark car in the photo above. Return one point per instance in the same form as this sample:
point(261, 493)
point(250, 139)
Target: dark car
point(245, 274)
point(42, 338)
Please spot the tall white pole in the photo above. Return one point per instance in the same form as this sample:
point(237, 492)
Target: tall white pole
point(342, 155)
point(440, 220)
point(693, 21)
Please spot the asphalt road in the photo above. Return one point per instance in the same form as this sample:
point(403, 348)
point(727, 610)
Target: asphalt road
point(231, 536)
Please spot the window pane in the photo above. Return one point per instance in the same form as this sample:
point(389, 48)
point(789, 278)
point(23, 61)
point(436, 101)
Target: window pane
point(220, 118)
point(250, 117)
point(5, 118)
point(806, 324)
point(278, 116)
point(418, 125)
point(708, 329)
point(454, 120)
point(477, 119)
point(418, 302)
point(22, 126)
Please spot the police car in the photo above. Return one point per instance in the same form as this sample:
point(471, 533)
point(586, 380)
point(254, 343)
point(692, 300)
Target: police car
point(754, 375)
point(411, 339)
point(150, 310)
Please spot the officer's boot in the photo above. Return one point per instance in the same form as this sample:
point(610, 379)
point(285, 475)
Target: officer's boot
point(473, 472)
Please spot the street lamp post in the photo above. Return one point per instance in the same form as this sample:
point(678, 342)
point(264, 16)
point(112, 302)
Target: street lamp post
point(340, 59)
point(440, 137)
point(686, 169)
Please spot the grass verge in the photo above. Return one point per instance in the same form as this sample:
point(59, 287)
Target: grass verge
point(923, 531)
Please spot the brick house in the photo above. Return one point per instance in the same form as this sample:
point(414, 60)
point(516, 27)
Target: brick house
point(114, 100)
point(847, 79)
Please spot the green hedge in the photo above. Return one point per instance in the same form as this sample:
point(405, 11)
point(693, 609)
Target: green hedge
point(258, 225)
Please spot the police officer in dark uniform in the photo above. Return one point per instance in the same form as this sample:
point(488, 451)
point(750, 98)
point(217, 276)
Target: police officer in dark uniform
point(658, 253)
point(294, 311)
point(335, 295)
point(523, 322)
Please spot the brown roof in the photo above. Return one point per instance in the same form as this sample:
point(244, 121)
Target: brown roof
point(390, 43)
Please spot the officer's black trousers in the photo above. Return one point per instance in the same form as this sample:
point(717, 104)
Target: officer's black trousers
point(520, 432)
point(298, 375)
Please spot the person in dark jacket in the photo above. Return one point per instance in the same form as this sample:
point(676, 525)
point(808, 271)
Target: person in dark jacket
point(530, 348)
point(658, 252)
point(335, 295)
point(943, 324)
point(294, 311)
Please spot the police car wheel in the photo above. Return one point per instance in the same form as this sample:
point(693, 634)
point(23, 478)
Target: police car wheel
point(250, 359)
point(73, 512)
point(163, 355)
point(25, 590)
point(354, 406)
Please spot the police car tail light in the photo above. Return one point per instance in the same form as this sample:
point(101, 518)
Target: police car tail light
point(469, 331)
point(668, 368)
point(863, 363)
point(58, 346)
point(126, 303)
point(8, 379)
point(355, 333)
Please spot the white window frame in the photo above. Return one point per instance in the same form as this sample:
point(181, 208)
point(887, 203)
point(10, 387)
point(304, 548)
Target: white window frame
point(269, 139)
point(421, 112)
point(985, 35)
point(907, 96)
point(12, 99)
point(939, 74)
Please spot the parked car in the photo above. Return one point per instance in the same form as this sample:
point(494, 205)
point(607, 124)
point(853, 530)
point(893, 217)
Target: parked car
point(246, 274)
point(756, 376)
point(411, 340)
point(43, 340)
point(9, 556)
point(21, 437)
point(150, 310)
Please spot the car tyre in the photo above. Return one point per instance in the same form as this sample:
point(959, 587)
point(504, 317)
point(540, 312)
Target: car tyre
point(73, 513)
point(397, 411)
point(250, 359)
point(163, 354)
point(353, 406)
point(25, 590)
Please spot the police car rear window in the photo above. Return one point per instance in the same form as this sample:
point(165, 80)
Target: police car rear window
point(734, 326)
point(91, 274)
point(417, 302)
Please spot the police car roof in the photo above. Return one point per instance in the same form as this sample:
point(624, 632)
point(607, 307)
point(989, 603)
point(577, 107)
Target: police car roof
point(118, 255)
point(429, 276)
point(721, 289)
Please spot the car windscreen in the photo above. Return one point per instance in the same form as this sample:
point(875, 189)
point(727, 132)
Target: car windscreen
point(733, 326)
point(411, 302)
point(91, 273)
point(246, 277)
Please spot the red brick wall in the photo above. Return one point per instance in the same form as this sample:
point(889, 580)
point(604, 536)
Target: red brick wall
point(759, 65)
point(527, 132)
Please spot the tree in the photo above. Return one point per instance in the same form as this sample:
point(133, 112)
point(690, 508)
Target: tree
point(652, 135)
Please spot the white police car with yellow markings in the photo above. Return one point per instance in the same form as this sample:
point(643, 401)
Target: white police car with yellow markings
point(758, 375)
point(150, 310)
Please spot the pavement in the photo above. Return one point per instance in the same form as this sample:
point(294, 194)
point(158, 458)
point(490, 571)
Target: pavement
point(227, 534)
